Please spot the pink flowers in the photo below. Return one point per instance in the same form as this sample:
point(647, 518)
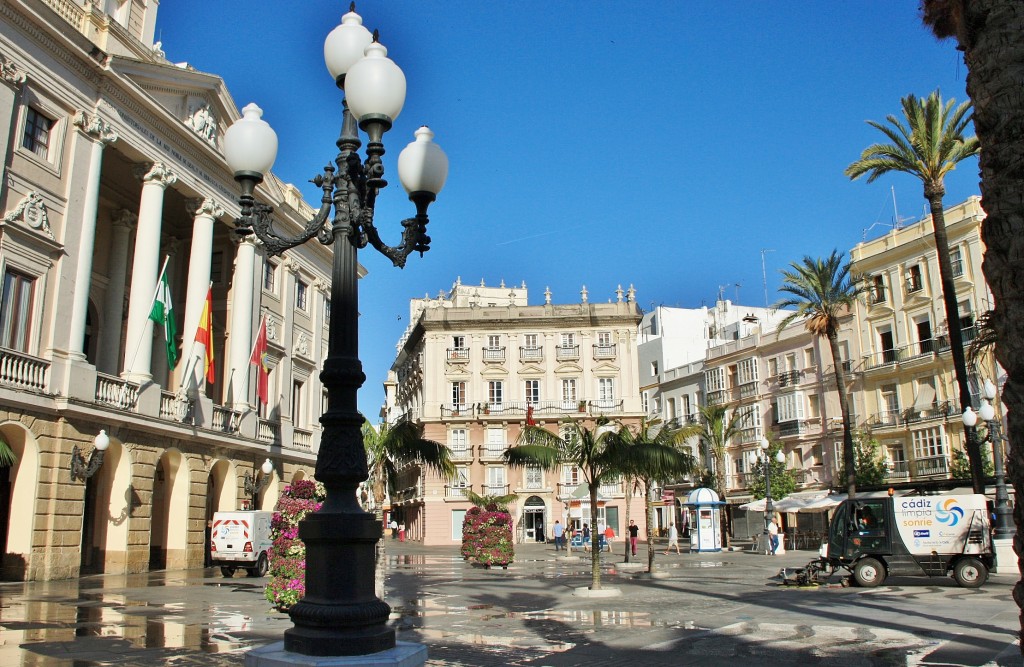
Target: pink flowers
point(487, 536)
point(287, 583)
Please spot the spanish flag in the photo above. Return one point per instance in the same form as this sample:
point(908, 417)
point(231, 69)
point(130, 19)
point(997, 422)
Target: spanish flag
point(258, 358)
point(204, 335)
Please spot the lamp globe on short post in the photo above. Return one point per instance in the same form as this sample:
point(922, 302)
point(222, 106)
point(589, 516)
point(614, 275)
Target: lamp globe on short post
point(340, 613)
point(82, 469)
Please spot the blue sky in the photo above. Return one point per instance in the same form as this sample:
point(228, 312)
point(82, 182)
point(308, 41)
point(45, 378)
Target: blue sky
point(659, 144)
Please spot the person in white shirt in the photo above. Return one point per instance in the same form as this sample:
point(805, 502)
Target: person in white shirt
point(394, 529)
point(773, 537)
point(673, 538)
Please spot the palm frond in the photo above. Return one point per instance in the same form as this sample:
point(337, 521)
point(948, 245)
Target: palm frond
point(8, 458)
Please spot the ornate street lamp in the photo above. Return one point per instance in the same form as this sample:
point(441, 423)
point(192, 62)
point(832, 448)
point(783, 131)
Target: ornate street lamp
point(769, 509)
point(341, 614)
point(1004, 515)
point(80, 469)
point(253, 487)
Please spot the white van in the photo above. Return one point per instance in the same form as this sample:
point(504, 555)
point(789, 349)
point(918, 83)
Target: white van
point(241, 540)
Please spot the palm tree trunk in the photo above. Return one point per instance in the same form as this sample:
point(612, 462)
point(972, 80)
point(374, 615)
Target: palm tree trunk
point(630, 484)
point(849, 460)
point(956, 340)
point(720, 482)
point(990, 39)
point(649, 508)
point(595, 554)
point(989, 35)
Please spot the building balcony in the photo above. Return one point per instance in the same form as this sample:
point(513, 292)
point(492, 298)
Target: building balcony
point(934, 466)
point(456, 492)
point(897, 470)
point(933, 411)
point(788, 378)
point(461, 454)
point(531, 354)
point(794, 427)
point(913, 284)
point(604, 351)
point(494, 354)
point(494, 490)
point(885, 418)
point(458, 410)
point(492, 451)
point(567, 352)
point(457, 354)
point(748, 390)
point(883, 359)
point(565, 489)
point(745, 435)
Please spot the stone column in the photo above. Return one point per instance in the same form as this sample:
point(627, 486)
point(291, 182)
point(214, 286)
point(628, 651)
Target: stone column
point(241, 334)
point(146, 264)
point(206, 211)
point(109, 349)
point(101, 134)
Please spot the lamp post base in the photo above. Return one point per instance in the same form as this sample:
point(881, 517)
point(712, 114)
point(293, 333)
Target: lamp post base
point(404, 654)
point(1006, 559)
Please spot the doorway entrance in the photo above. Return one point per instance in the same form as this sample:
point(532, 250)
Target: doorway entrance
point(533, 519)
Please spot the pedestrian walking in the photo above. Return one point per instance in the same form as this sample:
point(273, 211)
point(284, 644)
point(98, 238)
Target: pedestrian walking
point(773, 537)
point(673, 538)
point(394, 529)
point(559, 533)
point(634, 534)
point(609, 535)
point(586, 537)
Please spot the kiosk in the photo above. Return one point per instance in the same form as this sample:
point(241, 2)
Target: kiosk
point(705, 520)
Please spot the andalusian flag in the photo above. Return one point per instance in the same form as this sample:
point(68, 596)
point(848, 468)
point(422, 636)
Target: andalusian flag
point(204, 335)
point(163, 313)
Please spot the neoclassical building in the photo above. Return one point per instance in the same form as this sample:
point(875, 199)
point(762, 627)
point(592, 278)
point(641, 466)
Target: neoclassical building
point(113, 171)
point(474, 365)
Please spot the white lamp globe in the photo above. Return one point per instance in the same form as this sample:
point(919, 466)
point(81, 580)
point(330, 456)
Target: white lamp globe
point(101, 441)
point(970, 417)
point(345, 45)
point(250, 144)
point(780, 457)
point(375, 86)
point(763, 443)
point(986, 411)
point(267, 467)
point(989, 389)
point(422, 165)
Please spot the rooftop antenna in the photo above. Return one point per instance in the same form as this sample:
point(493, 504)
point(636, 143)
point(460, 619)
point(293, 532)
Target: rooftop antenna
point(738, 286)
point(764, 275)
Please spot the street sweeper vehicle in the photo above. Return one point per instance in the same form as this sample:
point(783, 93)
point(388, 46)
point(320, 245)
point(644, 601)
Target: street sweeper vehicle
point(928, 536)
point(241, 539)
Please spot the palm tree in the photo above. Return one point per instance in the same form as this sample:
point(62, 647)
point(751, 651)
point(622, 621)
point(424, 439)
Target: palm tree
point(652, 451)
point(591, 449)
point(717, 427)
point(988, 32)
point(502, 501)
point(395, 446)
point(928, 143)
point(821, 291)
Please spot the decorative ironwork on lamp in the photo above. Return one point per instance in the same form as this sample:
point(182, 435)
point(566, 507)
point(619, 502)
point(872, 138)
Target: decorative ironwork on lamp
point(341, 614)
point(1004, 527)
point(254, 487)
point(82, 469)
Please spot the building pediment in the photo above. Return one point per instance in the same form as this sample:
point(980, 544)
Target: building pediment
point(568, 368)
point(531, 369)
point(605, 367)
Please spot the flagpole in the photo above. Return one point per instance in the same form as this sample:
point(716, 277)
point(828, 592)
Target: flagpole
point(131, 364)
point(252, 351)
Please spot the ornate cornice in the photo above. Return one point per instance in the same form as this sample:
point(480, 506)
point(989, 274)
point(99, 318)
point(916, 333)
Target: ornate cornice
point(204, 207)
point(94, 126)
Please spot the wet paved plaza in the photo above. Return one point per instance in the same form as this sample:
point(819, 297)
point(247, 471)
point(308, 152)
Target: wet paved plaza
point(709, 609)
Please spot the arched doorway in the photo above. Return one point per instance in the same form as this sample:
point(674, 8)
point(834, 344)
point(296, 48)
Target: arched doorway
point(18, 489)
point(533, 519)
point(169, 533)
point(109, 503)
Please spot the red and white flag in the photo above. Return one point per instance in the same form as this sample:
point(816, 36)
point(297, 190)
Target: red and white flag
point(259, 360)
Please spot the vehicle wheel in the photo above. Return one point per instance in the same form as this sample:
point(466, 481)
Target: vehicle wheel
point(228, 570)
point(970, 572)
point(868, 572)
point(261, 567)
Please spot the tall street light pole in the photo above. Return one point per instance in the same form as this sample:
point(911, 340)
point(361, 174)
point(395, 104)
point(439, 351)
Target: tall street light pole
point(340, 614)
point(769, 508)
point(1004, 528)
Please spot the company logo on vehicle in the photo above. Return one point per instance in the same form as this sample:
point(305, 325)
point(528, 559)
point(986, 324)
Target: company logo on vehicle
point(922, 533)
point(949, 512)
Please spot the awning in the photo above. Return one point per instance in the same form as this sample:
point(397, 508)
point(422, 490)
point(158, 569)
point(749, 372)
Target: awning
point(798, 501)
point(828, 502)
point(754, 506)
